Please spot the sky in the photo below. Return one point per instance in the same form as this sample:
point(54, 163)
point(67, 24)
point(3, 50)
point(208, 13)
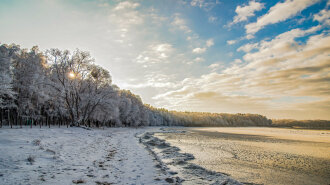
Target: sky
point(244, 56)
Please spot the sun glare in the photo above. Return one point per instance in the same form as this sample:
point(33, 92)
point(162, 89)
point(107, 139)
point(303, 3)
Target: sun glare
point(72, 75)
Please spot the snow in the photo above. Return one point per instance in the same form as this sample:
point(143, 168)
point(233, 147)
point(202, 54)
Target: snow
point(73, 155)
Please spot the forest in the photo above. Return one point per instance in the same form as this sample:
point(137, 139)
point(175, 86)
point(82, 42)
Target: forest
point(309, 124)
point(66, 88)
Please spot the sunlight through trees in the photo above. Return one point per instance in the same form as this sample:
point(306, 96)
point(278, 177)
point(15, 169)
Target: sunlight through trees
point(68, 88)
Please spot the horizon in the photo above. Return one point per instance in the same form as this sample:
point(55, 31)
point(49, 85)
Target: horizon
point(259, 57)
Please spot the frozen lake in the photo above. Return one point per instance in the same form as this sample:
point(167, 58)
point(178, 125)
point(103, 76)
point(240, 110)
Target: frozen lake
point(259, 155)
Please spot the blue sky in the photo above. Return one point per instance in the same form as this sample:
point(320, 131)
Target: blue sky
point(268, 57)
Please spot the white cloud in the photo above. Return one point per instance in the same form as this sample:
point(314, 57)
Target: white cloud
point(280, 68)
point(126, 5)
point(279, 12)
point(249, 36)
point(199, 59)
point(155, 80)
point(163, 47)
point(231, 42)
point(248, 47)
point(204, 4)
point(274, 45)
point(215, 66)
point(197, 3)
point(124, 15)
point(243, 12)
point(238, 61)
point(155, 53)
point(323, 16)
point(209, 43)
point(192, 37)
point(212, 19)
point(155, 18)
point(181, 24)
point(199, 50)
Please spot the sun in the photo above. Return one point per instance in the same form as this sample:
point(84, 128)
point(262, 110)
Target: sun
point(72, 75)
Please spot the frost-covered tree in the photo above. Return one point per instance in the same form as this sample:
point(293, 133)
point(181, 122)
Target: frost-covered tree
point(59, 86)
point(7, 94)
point(68, 75)
point(29, 77)
point(99, 97)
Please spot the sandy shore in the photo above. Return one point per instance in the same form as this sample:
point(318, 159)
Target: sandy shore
point(258, 155)
point(176, 163)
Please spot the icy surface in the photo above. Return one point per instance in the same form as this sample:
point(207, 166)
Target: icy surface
point(258, 155)
point(76, 155)
point(177, 165)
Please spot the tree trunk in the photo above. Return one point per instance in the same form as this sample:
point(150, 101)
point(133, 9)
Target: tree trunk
point(9, 122)
point(17, 117)
point(1, 118)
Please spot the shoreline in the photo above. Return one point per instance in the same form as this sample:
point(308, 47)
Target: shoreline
point(111, 155)
point(257, 155)
point(176, 164)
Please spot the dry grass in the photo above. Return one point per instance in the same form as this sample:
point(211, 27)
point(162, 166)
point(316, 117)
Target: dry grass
point(79, 181)
point(36, 142)
point(31, 159)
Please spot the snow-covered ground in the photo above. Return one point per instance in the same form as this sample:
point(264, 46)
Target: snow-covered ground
point(76, 155)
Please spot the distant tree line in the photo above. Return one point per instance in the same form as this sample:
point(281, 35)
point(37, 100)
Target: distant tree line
point(63, 88)
point(312, 124)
